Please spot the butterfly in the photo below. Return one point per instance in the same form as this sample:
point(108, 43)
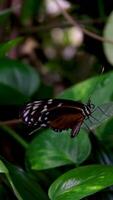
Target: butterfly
point(57, 114)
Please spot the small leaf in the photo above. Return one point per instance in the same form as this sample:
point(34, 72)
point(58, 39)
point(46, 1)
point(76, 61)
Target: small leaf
point(7, 46)
point(81, 182)
point(108, 34)
point(50, 150)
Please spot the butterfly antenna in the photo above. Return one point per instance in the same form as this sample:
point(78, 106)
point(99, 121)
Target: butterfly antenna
point(97, 83)
point(87, 127)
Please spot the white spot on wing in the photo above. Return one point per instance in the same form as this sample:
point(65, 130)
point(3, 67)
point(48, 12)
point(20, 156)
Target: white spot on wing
point(35, 107)
point(50, 101)
point(26, 113)
point(60, 104)
point(38, 102)
point(26, 119)
point(29, 104)
point(32, 113)
point(28, 107)
point(39, 119)
point(43, 125)
point(45, 109)
point(35, 123)
point(45, 118)
point(47, 113)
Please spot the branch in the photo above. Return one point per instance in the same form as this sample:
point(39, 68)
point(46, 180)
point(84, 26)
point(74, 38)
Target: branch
point(85, 31)
point(11, 122)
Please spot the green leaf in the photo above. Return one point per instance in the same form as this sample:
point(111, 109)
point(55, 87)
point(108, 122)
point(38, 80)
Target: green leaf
point(11, 96)
point(24, 185)
point(43, 152)
point(105, 132)
point(3, 169)
point(81, 182)
point(7, 46)
point(50, 150)
point(108, 34)
point(17, 76)
point(99, 89)
point(30, 8)
point(101, 115)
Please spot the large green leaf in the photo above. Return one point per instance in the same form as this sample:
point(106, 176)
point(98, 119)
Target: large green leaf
point(24, 186)
point(3, 169)
point(81, 182)
point(43, 153)
point(100, 89)
point(108, 34)
point(50, 150)
point(10, 96)
point(17, 76)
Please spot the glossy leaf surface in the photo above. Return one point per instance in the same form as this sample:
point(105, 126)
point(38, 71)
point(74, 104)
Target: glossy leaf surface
point(81, 182)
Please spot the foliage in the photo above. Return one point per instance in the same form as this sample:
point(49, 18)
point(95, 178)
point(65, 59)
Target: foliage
point(43, 56)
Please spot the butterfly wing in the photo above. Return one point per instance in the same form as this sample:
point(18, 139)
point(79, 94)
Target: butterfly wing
point(57, 114)
point(31, 113)
point(64, 118)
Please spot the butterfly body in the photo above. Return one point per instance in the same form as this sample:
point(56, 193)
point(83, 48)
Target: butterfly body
point(57, 114)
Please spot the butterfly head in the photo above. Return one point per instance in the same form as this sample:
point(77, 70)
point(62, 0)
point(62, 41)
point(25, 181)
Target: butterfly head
point(89, 108)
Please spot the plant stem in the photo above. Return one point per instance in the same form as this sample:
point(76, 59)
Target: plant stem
point(15, 136)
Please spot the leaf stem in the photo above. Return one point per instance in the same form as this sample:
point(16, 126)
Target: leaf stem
point(13, 134)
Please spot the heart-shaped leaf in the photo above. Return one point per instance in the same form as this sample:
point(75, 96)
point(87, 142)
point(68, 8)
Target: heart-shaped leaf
point(50, 150)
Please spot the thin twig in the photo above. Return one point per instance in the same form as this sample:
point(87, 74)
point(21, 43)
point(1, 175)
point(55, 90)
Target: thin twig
point(85, 31)
point(61, 24)
point(11, 122)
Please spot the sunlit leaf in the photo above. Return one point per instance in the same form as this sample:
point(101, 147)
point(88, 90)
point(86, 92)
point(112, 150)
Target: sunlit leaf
point(81, 182)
